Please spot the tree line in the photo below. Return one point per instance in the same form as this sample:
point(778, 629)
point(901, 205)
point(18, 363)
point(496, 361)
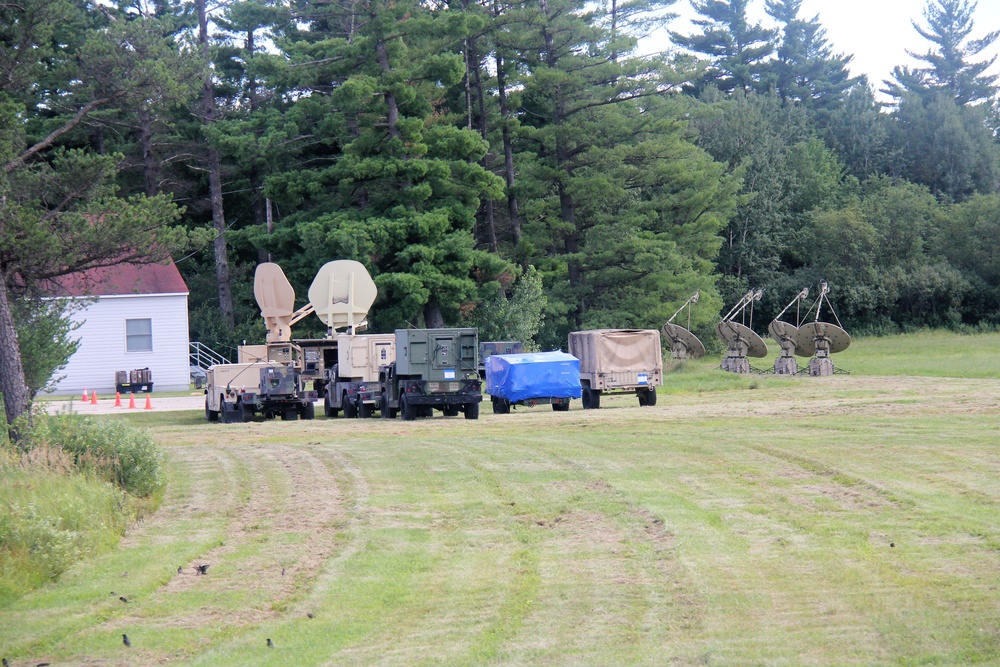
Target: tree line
point(517, 165)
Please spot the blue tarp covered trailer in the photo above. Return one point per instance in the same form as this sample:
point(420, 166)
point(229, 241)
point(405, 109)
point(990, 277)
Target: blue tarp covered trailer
point(531, 379)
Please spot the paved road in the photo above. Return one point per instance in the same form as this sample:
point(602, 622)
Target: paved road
point(195, 401)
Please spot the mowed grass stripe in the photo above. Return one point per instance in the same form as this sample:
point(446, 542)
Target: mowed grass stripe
point(745, 525)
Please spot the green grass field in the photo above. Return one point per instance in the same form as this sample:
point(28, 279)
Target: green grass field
point(760, 520)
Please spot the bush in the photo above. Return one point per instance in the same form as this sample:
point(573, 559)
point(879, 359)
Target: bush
point(115, 450)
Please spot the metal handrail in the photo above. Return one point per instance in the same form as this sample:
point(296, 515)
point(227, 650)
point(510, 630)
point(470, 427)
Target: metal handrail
point(203, 356)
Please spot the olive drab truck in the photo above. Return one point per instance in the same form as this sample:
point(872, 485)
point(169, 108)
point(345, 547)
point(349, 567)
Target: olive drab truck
point(616, 361)
point(435, 369)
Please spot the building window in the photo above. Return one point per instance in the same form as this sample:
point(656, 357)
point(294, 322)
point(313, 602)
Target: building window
point(139, 335)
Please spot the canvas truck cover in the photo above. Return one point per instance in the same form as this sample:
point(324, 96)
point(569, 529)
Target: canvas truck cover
point(519, 377)
point(622, 356)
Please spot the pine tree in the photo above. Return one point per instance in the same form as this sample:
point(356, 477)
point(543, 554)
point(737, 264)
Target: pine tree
point(948, 67)
point(738, 51)
point(806, 71)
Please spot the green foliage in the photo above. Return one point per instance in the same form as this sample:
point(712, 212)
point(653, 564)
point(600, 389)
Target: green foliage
point(114, 450)
point(49, 520)
point(515, 317)
point(44, 333)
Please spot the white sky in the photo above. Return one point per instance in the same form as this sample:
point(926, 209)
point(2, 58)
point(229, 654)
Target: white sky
point(876, 32)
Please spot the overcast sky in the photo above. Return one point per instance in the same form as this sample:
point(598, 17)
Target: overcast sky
point(876, 32)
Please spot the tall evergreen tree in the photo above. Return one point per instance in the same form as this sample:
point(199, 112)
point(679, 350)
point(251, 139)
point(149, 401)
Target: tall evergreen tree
point(384, 176)
point(737, 49)
point(806, 71)
point(948, 61)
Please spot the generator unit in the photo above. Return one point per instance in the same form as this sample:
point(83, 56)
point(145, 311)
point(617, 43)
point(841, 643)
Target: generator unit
point(434, 369)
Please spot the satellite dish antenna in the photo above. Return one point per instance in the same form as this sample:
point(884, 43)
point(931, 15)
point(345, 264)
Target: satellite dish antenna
point(786, 335)
point(822, 338)
point(683, 343)
point(341, 294)
point(276, 299)
point(741, 341)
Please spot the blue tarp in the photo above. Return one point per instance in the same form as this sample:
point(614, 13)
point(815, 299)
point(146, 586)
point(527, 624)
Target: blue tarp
point(518, 377)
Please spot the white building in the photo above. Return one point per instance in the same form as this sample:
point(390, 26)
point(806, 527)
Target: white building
point(138, 319)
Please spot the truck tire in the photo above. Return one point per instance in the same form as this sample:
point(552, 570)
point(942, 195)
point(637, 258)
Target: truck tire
point(364, 409)
point(328, 409)
point(244, 412)
point(290, 415)
point(591, 399)
point(210, 415)
point(225, 414)
point(384, 406)
point(350, 410)
point(407, 411)
point(472, 410)
point(308, 411)
point(450, 410)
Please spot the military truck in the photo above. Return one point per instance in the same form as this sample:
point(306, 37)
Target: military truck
point(490, 347)
point(616, 361)
point(237, 392)
point(434, 369)
point(352, 384)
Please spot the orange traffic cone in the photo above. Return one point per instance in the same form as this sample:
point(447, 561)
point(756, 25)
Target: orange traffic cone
point(84, 399)
point(131, 400)
point(93, 398)
point(149, 402)
point(118, 399)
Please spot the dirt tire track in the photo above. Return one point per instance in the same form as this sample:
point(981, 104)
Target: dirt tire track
point(285, 522)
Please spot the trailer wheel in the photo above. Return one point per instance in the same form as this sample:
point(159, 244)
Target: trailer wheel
point(210, 415)
point(647, 397)
point(308, 411)
point(500, 406)
point(591, 399)
point(450, 410)
point(472, 410)
point(350, 409)
point(406, 410)
point(328, 409)
point(290, 415)
point(364, 409)
point(560, 407)
point(384, 406)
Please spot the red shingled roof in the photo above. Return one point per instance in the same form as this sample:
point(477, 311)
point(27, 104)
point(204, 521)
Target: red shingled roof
point(121, 280)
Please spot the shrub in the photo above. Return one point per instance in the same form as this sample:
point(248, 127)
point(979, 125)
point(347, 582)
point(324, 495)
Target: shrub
point(115, 450)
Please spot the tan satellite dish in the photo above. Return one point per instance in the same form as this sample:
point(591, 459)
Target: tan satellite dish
point(815, 335)
point(683, 343)
point(739, 337)
point(276, 299)
point(341, 294)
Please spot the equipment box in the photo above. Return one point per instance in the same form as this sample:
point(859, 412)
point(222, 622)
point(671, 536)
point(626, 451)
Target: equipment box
point(140, 379)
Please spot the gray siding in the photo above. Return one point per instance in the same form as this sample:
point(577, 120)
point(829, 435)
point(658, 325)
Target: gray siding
point(102, 344)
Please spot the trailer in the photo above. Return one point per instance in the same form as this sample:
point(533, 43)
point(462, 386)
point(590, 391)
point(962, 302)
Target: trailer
point(435, 369)
point(616, 361)
point(352, 384)
point(537, 378)
point(237, 392)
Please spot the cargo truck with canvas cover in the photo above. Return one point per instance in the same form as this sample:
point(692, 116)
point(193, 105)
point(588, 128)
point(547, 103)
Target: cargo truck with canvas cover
point(236, 392)
point(534, 378)
point(434, 369)
point(618, 361)
point(353, 382)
